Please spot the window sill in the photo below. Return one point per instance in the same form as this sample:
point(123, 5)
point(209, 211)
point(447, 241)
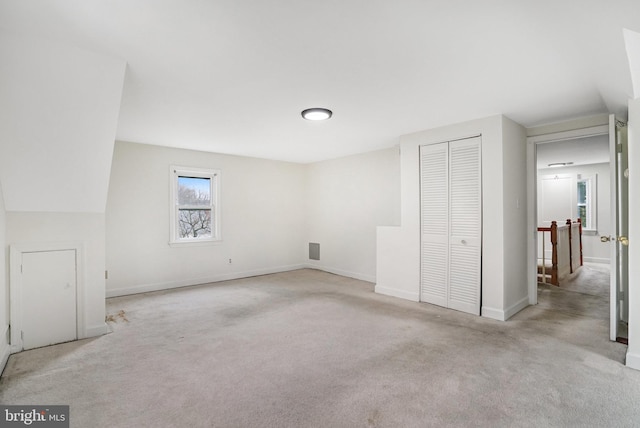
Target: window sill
point(203, 243)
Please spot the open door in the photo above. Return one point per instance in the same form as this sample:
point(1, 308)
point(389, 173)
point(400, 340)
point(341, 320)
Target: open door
point(619, 227)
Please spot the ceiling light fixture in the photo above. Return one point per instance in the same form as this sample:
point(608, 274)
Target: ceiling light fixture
point(316, 113)
point(558, 164)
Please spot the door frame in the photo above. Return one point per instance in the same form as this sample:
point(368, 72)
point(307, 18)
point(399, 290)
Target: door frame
point(532, 192)
point(15, 287)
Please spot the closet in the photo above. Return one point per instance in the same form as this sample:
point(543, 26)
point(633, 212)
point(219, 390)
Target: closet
point(451, 224)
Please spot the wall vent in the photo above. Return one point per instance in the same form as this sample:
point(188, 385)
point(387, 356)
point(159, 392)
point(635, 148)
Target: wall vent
point(314, 251)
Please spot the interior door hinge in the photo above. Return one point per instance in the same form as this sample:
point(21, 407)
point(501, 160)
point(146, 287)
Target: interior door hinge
point(619, 148)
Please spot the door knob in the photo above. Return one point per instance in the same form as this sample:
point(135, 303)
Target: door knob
point(623, 240)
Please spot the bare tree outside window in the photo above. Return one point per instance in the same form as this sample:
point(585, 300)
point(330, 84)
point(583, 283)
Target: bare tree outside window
point(195, 223)
point(194, 207)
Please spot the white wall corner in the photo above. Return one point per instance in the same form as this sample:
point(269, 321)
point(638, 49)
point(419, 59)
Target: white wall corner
point(394, 292)
point(633, 361)
point(96, 330)
point(494, 314)
point(517, 307)
point(5, 351)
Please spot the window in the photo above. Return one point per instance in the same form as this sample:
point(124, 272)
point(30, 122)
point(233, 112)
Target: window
point(194, 205)
point(586, 201)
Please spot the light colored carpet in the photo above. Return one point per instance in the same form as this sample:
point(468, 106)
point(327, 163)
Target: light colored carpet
point(311, 349)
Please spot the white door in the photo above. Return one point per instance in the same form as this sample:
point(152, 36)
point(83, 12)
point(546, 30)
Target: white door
point(465, 225)
point(619, 228)
point(434, 203)
point(48, 298)
point(451, 206)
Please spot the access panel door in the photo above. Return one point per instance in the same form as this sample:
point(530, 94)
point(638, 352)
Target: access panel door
point(49, 312)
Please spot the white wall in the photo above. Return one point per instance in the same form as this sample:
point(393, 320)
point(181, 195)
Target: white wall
point(58, 117)
point(592, 249)
point(633, 351)
point(262, 220)
point(4, 286)
point(347, 199)
point(504, 289)
point(88, 229)
point(514, 157)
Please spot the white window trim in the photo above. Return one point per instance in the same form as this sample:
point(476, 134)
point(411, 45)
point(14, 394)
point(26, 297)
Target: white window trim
point(180, 171)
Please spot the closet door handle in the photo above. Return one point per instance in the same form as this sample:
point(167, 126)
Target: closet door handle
point(463, 242)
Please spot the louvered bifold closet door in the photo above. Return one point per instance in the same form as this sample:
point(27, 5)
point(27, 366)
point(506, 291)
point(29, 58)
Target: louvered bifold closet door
point(465, 225)
point(434, 189)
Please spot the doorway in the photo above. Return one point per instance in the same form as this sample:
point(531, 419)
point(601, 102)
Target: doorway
point(575, 175)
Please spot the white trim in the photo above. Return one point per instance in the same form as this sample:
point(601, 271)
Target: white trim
point(569, 135)
point(596, 260)
point(516, 307)
point(145, 288)
point(15, 286)
point(532, 200)
point(494, 314)
point(633, 361)
point(96, 330)
point(213, 175)
point(5, 351)
point(355, 275)
point(394, 292)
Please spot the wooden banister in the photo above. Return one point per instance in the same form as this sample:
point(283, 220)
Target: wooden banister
point(553, 233)
point(570, 246)
point(580, 229)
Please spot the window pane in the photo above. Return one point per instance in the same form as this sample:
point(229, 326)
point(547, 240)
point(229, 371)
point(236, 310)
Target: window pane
point(194, 191)
point(194, 223)
point(582, 213)
point(582, 192)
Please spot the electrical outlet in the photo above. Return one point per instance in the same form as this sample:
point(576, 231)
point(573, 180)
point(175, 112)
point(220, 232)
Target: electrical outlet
point(229, 261)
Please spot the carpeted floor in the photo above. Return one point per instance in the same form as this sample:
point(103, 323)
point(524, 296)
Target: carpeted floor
point(311, 349)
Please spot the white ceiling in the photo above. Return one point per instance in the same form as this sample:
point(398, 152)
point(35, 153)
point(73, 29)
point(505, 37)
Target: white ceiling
point(580, 151)
point(232, 76)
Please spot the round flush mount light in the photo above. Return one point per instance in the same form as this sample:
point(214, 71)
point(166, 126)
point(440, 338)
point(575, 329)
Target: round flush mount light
point(316, 113)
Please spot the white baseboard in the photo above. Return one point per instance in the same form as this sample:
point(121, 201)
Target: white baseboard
point(5, 351)
point(633, 361)
point(394, 292)
point(355, 275)
point(596, 260)
point(96, 330)
point(198, 281)
point(495, 314)
point(517, 307)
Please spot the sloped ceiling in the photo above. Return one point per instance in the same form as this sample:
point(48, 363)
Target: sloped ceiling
point(58, 117)
point(232, 76)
